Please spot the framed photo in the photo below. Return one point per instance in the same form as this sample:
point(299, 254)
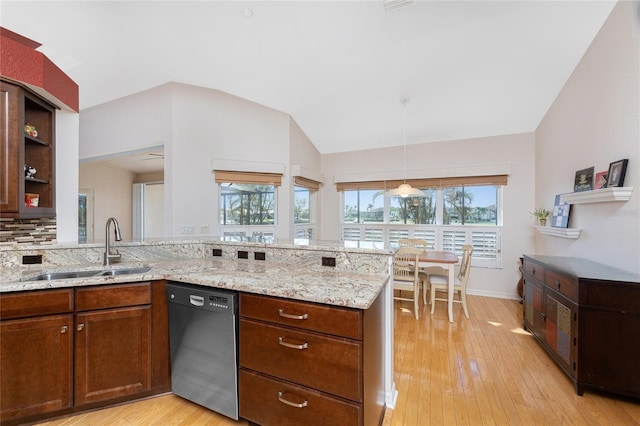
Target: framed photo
point(560, 217)
point(617, 170)
point(601, 180)
point(584, 180)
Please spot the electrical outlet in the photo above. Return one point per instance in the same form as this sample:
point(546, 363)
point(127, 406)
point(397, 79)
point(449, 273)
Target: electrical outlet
point(259, 255)
point(217, 252)
point(329, 261)
point(242, 254)
point(186, 229)
point(204, 229)
point(32, 259)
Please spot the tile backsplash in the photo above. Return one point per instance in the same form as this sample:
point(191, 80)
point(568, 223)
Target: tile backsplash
point(29, 231)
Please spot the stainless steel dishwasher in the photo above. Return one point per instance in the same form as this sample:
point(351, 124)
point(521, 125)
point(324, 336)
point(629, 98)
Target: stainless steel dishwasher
point(203, 334)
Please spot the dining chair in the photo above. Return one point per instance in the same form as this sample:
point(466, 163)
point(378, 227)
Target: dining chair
point(406, 276)
point(414, 242)
point(440, 282)
point(424, 245)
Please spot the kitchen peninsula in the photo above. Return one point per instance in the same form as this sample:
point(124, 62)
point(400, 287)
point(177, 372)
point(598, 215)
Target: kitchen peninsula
point(289, 272)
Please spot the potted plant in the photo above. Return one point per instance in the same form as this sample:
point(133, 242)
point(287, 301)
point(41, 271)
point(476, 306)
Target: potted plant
point(541, 215)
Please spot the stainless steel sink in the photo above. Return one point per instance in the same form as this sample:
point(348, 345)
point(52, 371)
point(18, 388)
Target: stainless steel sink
point(64, 275)
point(68, 275)
point(114, 272)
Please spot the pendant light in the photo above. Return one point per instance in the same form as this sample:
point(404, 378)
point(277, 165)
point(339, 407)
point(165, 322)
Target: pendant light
point(404, 190)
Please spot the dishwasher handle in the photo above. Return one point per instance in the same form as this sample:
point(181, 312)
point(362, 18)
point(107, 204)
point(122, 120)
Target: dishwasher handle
point(196, 300)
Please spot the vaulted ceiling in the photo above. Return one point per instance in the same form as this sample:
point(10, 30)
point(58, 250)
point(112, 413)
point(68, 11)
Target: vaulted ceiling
point(339, 68)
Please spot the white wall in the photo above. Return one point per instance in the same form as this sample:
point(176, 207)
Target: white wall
point(429, 159)
point(134, 122)
point(67, 123)
point(210, 124)
point(112, 189)
point(304, 154)
point(196, 125)
point(596, 120)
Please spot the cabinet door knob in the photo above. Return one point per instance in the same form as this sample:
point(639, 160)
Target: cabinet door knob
point(290, 403)
point(283, 314)
point(543, 315)
point(64, 329)
point(80, 326)
point(558, 284)
point(281, 342)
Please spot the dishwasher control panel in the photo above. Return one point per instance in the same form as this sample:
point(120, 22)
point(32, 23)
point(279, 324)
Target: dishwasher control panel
point(208, 298)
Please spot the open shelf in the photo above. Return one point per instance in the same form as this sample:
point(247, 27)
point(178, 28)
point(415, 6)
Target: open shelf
point(36, 180)
point(599, 195)
point(559, 232)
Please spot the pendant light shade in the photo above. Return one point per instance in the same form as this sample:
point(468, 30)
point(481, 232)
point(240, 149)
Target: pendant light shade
point(404, 190)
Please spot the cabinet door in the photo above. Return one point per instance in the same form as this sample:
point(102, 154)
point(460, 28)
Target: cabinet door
point(35, 355)
point(113, 353)
point(9, 149)
point(533, 307)
point(560, 330)
point(611, 350)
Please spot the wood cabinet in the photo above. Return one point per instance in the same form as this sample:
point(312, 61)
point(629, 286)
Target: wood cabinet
point(96, 346)
point(307, 363)
point(586, 315)
point(113, 342)
point(19, 106)
point(36, 352)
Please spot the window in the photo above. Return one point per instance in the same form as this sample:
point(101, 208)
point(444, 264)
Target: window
point(465, 205)
point(304, 207)
point(301, 205)
point(449, 217)
point(364, 206)
point(413, 210)
point(247, 204)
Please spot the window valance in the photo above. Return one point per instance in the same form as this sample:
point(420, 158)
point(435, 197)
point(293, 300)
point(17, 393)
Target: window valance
point(310, 184)
point(223, 176)
point(426, 183)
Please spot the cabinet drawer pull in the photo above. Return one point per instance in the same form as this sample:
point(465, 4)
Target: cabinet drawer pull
point(558, 284)
point(283, 314)
point(291, 345)
point(80, 326)
point(292, 404)
point(64, 329)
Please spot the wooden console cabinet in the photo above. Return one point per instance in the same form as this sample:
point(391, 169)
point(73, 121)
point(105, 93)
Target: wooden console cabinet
point(68, 350)
point(587, 316)
point(307, 363)
point(19, 106)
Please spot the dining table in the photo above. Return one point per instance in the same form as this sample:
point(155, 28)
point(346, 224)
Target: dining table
point(446, 260)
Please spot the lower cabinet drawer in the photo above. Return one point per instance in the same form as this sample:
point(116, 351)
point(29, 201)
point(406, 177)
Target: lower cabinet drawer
point(268, 401)
point(563, 284)
point(326, 363)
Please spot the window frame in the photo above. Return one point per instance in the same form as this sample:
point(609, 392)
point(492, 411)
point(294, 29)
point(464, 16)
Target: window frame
point(487, 251)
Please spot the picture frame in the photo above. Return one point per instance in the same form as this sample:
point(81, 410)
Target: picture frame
point(560, 215)
point(600, 181)
point(617, 171)
point(584, 180)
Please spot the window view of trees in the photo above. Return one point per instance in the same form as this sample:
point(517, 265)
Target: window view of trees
point(461, 205)
point(301, 205)
point(470, 205)
point(363, 206)
point(413, 210)
point(244, 204)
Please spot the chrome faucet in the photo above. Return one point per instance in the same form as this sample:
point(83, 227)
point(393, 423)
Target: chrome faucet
point(108, 254)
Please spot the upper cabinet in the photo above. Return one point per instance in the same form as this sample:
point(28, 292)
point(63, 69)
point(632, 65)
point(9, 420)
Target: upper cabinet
point(27, 154)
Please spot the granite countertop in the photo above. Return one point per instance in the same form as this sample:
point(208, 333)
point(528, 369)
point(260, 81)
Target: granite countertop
point(321, 284)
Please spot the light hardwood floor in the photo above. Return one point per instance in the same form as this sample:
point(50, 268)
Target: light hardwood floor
point(482, 371)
